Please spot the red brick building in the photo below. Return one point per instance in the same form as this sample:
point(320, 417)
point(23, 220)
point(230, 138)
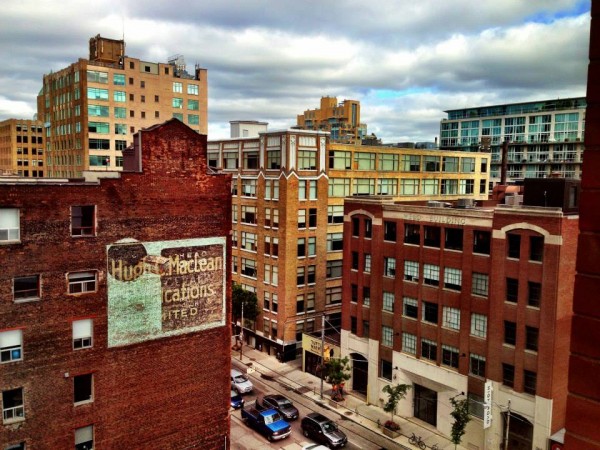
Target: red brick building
point(462, 301)
point(583, 409)
point(114, 329)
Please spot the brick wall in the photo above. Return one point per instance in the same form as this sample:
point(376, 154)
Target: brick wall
point(167, 393)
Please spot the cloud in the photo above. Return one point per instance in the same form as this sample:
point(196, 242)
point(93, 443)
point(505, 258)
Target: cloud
point(406, 62)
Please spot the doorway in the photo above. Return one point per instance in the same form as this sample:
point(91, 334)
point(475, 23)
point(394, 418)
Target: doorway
point(425, 404)
point(520, 432)
point(360, 373)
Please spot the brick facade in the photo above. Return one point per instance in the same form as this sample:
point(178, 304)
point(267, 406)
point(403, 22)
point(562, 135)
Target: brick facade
point(161, 393)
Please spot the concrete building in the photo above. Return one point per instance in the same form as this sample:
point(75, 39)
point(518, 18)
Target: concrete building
point(114, 324)
point(342, 120)
point(583, 406)
point(22, 148)
point(246, 128)
point(92, 108)
point(544, 137)
point(288, 207)
point(456, 301)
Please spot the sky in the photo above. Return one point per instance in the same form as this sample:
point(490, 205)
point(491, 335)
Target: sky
point(405, 61)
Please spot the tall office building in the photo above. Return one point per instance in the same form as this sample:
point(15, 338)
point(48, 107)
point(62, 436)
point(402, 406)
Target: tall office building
point(114, 319)
point(288, 212)
point(92, 108)
point(544, 137)
point(342, 120)
point(22, 148)
point(470, 303)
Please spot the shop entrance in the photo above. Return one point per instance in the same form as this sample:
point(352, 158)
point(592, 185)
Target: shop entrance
point(360, 373)
point(425, 406)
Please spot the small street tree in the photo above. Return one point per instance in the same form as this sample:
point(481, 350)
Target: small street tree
point(461, 417)
point(395, 394)
point(239, 297)
point(337, 371)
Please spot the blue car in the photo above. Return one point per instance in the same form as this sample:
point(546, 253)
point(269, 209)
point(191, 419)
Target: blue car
point(237, 401)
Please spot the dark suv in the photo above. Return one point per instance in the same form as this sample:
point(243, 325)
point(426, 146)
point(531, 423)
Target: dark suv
point(322, 430)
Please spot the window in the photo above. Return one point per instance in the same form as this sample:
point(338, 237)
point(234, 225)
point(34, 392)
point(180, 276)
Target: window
point(177, 87)
point(387, 186)
point(19, 446)
point(249, 214)
point(454, 239)
point(510, 333)
point(481, 242)
point(363, 186)
point(475, 405)
point(81, 282)
point(389, 267)
point(364, 161)
point(307, 160)
point(449, 187)
point(192, 89)
point(354, 265)
point(512, 290)
point(98, 111)
point(411, 270)
point(99, 127)
point(193, 105)
point(83, 220)
point(366, 328)
point(386, 370)
point(514, 245)
point(431, 163)
point(451, 318)
point(11, 345)
point(301, 276)
point(249, 187)
point(388, 301)
point(84, 438)
point(431, 274)
point(389, 162)
point(353, 325)
point(450, 356)
point(467, 165)
point(534, 294)
point(479, 284)
point(411, 163)
point(97, 93)
point(389, 231)
point(409, 343)
point(333, 295)
point(367, 267)
point(335, 242)
point(312, 217)
point(366, 296)
point(452, 278)
point(529, 382)
point(387, 336)
point(301, 218)
point(177, 102)
point(354, 293)
point(477, 365)
point(312, 246)
point(430, 312)
point(449, 164)
point(13, 409)
point(301, 247)
point(531, 338)
point(334, 268)
point(250, 158)
point(536, 248)
point(412, 233)
point(26, 288)
point(119, 96)
point(410, 307)
point(355, 226)
point(428, 349)
point(193, 119)
point(508, 375)
point(431, 236)
point(478, 325)
point(248, 267)
point(335, 214)
point(119, 79)
point(248, 241)
point(272, 246)
point(83, 388)
point(82, 333)
point(340, 160)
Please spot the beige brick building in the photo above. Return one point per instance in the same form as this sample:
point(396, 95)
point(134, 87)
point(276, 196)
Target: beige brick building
point(288, 195)
point(92, 108)
point(22, 148)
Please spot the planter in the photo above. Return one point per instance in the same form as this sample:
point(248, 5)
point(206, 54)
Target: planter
point(391, 433)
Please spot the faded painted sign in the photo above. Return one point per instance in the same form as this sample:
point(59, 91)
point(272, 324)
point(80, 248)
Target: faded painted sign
point(160, 289)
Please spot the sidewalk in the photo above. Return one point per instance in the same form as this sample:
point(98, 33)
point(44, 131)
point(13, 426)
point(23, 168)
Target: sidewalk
point(290, 374)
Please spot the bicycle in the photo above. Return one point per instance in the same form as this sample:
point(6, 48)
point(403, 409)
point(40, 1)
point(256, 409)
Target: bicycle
point(416, 440)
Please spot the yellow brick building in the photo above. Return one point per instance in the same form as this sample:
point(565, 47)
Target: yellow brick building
point(288, 194)
point(22, 148)
point(342, 120)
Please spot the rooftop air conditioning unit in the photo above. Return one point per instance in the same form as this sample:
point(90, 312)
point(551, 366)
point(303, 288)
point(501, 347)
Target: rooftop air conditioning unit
point(435, 204)
point(464, 203)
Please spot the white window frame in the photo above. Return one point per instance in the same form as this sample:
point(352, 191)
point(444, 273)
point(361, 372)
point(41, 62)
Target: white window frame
point(83, 281)
point(83, 334)
point(387, 336)
point(479, 325)
point(10, 225)
point(431, 272)
point(411, 270)
point(11, 346)
point(451, 318)
point(388, 301)
point(452, 278)
point(409, 343)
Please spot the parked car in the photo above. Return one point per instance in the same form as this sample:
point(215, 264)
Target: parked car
point(323, 430)
point(267, 422)
point(237, 401)
point(280, 403)
point(240, 382)
point(314, 447)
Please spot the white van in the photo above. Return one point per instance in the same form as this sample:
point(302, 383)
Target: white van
point(240, 382)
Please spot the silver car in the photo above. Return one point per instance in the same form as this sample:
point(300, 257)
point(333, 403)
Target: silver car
point(240, 382)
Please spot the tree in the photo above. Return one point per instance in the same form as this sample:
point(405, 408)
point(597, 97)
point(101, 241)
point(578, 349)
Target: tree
point(241, 296)
point(461, 417)
point(395, 393)
point(337, 371)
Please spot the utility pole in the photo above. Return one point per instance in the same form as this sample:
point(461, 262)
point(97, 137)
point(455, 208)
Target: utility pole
point(507, 427)
point(322, 351)
point(242, 334)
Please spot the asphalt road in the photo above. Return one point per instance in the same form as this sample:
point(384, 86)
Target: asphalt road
point(245, 438)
